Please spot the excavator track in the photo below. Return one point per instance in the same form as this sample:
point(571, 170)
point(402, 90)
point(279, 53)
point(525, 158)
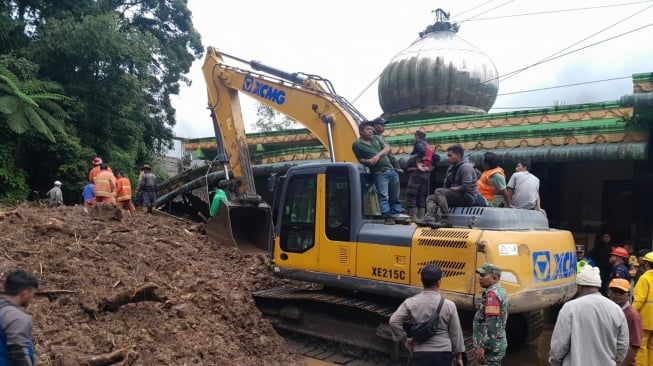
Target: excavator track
point(344, 328)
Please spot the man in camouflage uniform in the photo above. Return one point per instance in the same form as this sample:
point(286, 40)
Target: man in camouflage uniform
point(490, 319)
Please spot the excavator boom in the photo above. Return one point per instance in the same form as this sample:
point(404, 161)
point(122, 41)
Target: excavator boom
point(308, 99)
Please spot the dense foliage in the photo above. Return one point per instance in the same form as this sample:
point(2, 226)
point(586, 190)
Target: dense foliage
point(85, 78)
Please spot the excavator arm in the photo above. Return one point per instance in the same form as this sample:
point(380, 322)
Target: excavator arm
point(330, 118)
point(308, 99)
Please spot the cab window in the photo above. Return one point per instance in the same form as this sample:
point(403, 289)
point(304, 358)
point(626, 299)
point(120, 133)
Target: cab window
point(298, 221)
point(338, 205)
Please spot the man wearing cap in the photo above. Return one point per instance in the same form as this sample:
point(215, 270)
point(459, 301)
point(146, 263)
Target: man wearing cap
point(590, 329)
point(618, 259)
point(444, 348)
point(619, 292)
point(379, 127)
point(372, 152)
point(55, 195)
point(490, 319)
point(581, 259)
point(148, 187)
point(643, 303)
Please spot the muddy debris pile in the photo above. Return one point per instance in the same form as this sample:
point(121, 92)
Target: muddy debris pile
point(137, 289)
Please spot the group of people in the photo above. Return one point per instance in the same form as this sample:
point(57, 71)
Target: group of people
point(446, 347)
point(105, 187)
point(594, 329)
point(591, 329)
point(464, 185)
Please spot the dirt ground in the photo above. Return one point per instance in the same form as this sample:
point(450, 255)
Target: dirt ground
point(146, 289)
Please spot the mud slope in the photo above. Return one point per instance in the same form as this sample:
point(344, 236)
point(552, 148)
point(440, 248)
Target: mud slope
point(139, 289)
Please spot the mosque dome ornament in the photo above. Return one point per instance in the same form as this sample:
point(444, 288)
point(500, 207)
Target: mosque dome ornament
point(438, 75)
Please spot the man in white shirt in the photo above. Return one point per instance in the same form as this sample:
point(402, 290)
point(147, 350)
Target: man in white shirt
point(591, 329)
point(523, 188)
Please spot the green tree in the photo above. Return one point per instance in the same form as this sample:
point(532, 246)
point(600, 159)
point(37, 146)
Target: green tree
point(118, 61)
point(270, 120)
point(30, 104)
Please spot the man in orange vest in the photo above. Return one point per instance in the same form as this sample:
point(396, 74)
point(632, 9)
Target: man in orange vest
point(97, 161)
point(105, 185)
point(124, 192)
point(492, 183)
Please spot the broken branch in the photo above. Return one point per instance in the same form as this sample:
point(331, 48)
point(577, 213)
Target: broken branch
point(107, 358)
point(143, 293)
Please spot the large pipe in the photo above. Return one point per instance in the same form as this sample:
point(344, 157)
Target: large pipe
point(637, 100)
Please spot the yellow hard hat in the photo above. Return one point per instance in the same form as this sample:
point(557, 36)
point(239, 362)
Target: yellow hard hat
point(648, 257)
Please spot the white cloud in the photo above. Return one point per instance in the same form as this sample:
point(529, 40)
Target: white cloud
point(350, 42)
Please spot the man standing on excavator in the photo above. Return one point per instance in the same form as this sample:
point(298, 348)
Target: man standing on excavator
point(379, 127)
point(372, 152)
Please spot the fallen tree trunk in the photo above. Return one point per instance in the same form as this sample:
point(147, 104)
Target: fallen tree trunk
point(143, 293)
point(121, 355)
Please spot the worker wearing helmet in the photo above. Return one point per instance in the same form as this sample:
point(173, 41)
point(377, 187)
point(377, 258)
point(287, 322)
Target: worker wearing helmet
point(643, 303)
point(581, 259)
point(97, 162)
point(618, 259)
point(54, 195)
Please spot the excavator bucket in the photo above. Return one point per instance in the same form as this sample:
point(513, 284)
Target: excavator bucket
point(245, 226)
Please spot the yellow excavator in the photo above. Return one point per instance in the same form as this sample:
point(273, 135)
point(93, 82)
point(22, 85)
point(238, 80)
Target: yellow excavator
point(324, 227)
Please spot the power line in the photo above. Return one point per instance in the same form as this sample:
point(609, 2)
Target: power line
point(458, 101)
point(476, 7)
point(551, 57)
point(565, 85)
point(487, 11)
point(588, 46)
point(533, 90)
point(558, 11)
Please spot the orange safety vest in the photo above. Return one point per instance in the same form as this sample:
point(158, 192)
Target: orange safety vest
point(123, 189)
point(95, 171)
point(485, 187)
point(105, 184)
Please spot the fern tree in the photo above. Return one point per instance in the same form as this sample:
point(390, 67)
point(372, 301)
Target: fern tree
point(31, 105)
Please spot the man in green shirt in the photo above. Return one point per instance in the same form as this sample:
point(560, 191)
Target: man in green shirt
point(372, 152)
point(489, 324)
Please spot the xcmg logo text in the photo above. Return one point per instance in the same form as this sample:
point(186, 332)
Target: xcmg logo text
point(264, 91)
point(548, 267)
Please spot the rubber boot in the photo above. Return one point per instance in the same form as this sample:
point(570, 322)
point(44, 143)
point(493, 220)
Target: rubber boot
point(428, 220)
point(412, 211)
point(421, 211)
point(441, 222)
point(149, 210)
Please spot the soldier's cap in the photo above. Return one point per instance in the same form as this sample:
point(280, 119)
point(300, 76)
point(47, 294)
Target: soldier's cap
point(580, 248)
point(431, 272)
point(379, 121)
point(489, 268)
point(621, 284)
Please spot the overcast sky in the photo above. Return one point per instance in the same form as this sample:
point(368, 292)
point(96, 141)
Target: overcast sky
point(350, 42)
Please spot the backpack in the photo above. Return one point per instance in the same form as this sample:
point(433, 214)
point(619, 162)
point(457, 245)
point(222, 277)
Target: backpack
point(421, 332)
point(430, 154)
